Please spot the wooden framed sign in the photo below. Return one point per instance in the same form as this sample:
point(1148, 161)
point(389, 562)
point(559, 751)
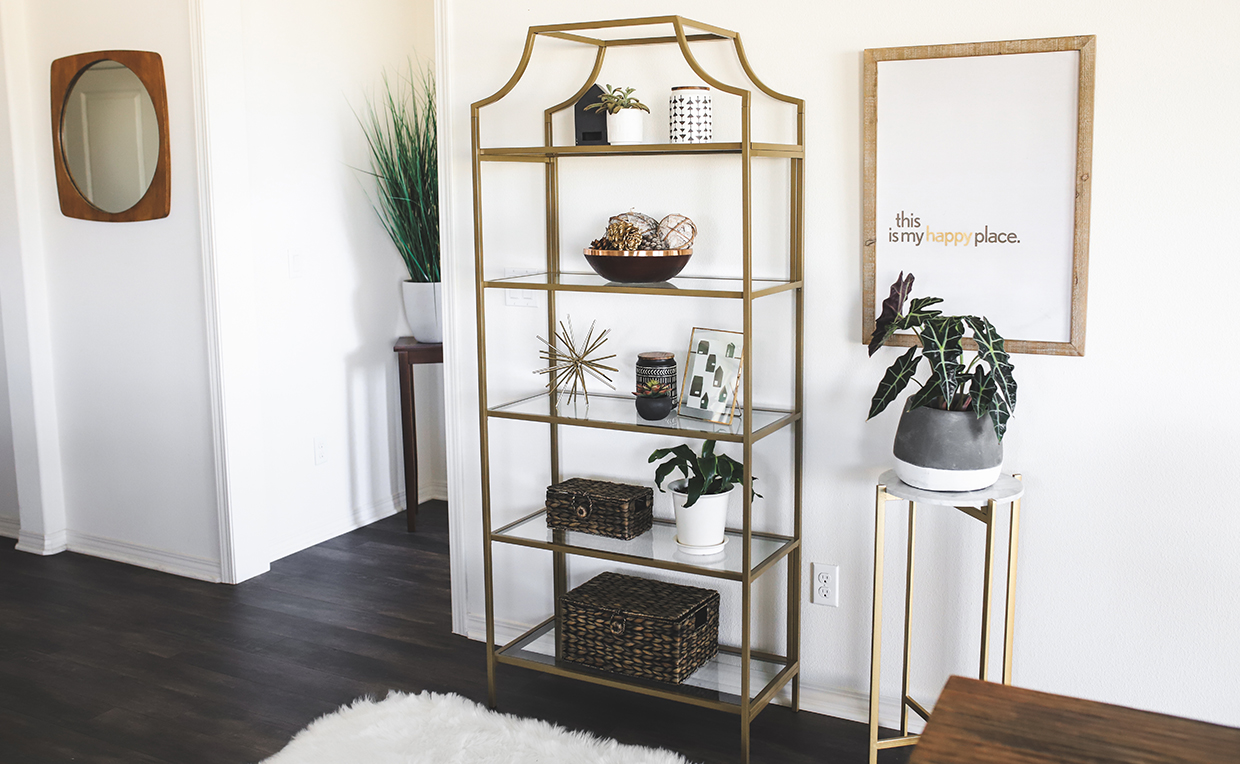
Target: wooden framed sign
point(977, 180)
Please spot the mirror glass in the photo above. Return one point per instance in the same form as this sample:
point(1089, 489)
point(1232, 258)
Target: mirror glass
point(110, 136)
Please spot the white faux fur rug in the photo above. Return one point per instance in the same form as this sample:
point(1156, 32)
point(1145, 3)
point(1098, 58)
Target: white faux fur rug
point(448, 729)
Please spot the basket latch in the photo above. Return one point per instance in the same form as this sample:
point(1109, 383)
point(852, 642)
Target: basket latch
point(616, 624)
point(583, 505)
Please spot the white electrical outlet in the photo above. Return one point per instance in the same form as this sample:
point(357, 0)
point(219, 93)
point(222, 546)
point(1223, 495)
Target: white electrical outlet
point(296, 265)
point(320, 451)
point(826, 583)
point(521, 298)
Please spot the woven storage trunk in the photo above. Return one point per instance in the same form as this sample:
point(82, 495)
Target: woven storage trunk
point(639, 627)
point(618, 510)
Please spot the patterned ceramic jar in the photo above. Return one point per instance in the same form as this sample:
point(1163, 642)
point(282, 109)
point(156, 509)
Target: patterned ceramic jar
point(689, 115)
point(657, 366)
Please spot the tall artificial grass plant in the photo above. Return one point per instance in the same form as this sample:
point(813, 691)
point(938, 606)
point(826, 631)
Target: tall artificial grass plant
point(400, 128)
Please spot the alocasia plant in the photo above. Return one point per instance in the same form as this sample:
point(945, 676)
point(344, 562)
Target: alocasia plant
point(984, 386)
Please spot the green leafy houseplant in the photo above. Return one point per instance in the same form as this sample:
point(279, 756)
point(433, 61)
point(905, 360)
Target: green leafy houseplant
point(614, 99)
point(708, 473)
point(984, 385)
point(404, 161)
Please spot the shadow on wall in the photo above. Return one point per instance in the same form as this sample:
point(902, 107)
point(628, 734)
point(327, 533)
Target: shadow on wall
point(8, 471)
point(375, 443)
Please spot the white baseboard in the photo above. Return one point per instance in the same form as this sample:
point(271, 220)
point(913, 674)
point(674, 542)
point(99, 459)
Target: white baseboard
point(10, 527)
point(839, 703)
point(430, 491)
point(317, 534)
point(40, 544)
point(178, 564)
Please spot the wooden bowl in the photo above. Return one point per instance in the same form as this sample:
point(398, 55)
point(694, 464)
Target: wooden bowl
point(638, 266)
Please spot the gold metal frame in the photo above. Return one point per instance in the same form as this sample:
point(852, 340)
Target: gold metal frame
point(988, 516)
point(684, 31)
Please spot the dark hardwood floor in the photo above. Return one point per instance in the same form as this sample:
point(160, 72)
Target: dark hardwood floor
point(104, 662)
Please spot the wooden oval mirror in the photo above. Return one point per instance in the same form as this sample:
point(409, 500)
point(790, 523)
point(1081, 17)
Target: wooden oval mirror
point(110, 136)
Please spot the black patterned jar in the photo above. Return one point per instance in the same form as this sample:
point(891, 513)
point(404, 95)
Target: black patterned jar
point(657, 366)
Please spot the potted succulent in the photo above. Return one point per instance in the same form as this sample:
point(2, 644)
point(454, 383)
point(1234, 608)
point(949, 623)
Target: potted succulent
point(654, 399)
point(701, 497)
point(624, 120)
point(404, 160)
point(950, 436)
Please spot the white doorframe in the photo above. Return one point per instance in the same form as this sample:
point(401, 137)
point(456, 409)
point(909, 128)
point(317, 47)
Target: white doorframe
point(457, 404)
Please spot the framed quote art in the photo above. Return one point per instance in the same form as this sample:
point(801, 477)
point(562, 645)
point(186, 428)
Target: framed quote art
point(977, 180)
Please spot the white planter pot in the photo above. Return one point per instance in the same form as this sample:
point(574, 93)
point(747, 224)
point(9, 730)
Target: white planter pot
point(626, 127)
point(424, 310)
point(702, 524)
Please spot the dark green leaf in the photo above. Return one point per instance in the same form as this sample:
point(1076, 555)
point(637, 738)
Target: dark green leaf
point(917, 313)
point(894, 381)
point(940, 342)
point(726, 470)
point(1000, 418)
point(665, 469)
point(707, 462)
point(990, 350)
point(893, 306)
point(927, 397)
point(694, 490)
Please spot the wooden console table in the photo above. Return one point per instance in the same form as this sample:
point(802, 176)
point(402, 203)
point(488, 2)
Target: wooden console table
point(986, 723)
point(410, 352)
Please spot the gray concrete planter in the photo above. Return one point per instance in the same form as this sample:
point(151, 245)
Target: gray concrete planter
point(947, 450)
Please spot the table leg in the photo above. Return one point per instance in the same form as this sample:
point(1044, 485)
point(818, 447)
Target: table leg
point(1009, 627)
point(410, 434)
point(876, 643)
point(991, 518)
point(908, 615)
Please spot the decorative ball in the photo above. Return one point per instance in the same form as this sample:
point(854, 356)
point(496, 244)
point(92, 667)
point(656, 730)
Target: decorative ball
point(678, 231)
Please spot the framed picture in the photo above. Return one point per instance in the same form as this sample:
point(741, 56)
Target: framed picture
point(712, 375)
point(977, 180)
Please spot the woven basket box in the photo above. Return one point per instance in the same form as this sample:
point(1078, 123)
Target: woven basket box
point(617, 510)
point(638, 627)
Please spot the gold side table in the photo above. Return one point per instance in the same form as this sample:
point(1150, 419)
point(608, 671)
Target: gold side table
point(980, 505)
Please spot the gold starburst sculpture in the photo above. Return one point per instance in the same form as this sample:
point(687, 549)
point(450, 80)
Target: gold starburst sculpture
point(568, 362)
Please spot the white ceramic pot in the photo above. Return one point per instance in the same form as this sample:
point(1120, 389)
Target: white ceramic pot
point(424, 310)
point(625, 127)
point(703, 523)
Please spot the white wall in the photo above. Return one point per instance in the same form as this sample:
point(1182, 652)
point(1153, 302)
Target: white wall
point(127, 336)
point(301, 285)
point(1128, 573)
point(9, 517)
point(310, 291)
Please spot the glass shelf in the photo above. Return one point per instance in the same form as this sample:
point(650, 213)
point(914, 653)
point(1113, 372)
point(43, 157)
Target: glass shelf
point(656, 548)
point(617, 412)
point(717, 684)
point(681, 286)
point(538, 153)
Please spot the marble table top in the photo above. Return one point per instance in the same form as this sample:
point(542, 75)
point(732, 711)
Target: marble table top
point(1006, 489)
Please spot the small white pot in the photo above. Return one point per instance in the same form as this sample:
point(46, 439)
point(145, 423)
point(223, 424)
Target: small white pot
point(703, 523)
point(424, 310)
point(626, 127)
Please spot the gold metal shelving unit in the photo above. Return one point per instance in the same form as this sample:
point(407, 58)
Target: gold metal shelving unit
point(741, 680)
